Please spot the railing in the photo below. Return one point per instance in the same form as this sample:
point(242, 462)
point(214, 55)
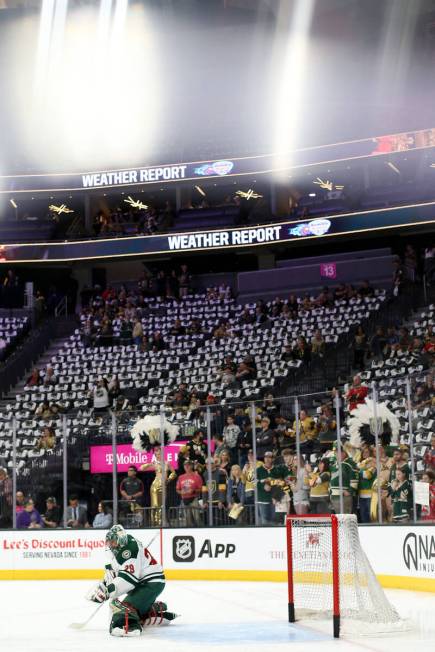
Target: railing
point(353, 443)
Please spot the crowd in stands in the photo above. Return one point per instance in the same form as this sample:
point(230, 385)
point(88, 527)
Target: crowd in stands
point(122, 221)
point(284, 482)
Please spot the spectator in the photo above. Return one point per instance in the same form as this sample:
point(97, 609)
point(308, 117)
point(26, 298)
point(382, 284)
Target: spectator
point(398, 277)
point(225, 461)
point(248, 475)
point(47, 440)
point(283, 432)
point(428, 511)
point(401, 496)
point(197, 448)
point(35, 379)
point(50, 379)
point(429, 457)
point(293, 306)
point(318, 480)
point(349, 480)
point(19, 501)
point(265, 438)
point(356, 394)
point(5, 499)
point(137, 333)
point(100, 396)
point(301, 488)
point(228, 377)
point(189, 486)
point(157, 342)
point(367, 476)
point(287, 355)
point(318, 344)
point(76, 515)
point(378, 343)
point(271, 408)
point(131, 487)
point(184, 281)
point(231, 434)
point(236, 494)
point(281, 502)
point(327, 427)
point(244, 373)
point(103, 518)
point(114, 388)
point(359, 348)
point(52, 516)
point(29, 518)
point(308, 432)
point(302, 350)
point(218, 494)
point(264, 487)
point(177, 329)
point(44, 411)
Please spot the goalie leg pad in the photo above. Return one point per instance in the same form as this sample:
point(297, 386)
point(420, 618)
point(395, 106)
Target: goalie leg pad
point(125, 620)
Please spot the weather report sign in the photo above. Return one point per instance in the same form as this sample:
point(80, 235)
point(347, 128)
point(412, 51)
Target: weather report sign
point(132, 177)
point(216, 239)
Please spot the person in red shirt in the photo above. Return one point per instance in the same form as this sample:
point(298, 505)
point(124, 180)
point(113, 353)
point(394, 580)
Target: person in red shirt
point(356, 394)
point(189, 487)
point(429, 458)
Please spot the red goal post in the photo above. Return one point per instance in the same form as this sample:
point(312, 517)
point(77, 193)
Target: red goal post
point(333, 521)
point(329, 575)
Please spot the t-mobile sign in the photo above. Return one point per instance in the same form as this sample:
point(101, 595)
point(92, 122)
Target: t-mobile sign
point(328, 270)
point(101, 457)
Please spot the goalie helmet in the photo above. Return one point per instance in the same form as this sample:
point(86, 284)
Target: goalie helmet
point(116, 537)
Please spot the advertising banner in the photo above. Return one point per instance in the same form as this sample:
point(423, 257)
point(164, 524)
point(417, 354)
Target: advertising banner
point(401, 556)
point(101, 457)
point(170, 173)
point(234, 238)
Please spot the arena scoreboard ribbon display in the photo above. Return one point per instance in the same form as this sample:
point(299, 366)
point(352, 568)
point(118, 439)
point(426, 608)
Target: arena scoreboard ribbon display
point(185, 171)
point(282, 232)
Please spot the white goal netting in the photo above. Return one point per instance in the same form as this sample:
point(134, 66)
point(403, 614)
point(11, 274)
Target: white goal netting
point(361, 597)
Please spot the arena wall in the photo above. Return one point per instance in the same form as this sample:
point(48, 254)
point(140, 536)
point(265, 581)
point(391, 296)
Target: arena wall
point(402, 556)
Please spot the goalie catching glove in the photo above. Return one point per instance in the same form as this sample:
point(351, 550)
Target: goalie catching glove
point(99, 593)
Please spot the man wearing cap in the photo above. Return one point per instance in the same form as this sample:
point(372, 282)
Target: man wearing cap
point(189, 486)
point(52, 515)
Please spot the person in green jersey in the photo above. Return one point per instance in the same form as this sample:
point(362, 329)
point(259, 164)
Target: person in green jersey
point(401, 496)
point(132, 572)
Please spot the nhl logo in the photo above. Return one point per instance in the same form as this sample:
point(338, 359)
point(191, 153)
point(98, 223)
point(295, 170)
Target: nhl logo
point(183, 549)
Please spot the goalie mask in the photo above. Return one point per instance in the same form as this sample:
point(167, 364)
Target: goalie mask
point(146, 433)
point(116, 538)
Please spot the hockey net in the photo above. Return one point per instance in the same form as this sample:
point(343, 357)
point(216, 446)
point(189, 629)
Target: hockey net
point(331, 577)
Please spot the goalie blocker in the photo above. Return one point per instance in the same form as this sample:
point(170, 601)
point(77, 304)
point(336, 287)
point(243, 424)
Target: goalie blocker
point(134, 573)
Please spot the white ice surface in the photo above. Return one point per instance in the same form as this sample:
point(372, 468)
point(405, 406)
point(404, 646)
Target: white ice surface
point(218, 616)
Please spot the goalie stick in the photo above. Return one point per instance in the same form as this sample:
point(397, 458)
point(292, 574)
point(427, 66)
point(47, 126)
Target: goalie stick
point(84, 623)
